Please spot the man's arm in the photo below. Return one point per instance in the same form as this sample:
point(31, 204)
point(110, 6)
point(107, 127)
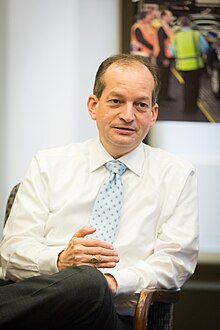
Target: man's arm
point(26, 250)
point(175, 252)
point(204, 46)
point(161, 38)
point(141, 39)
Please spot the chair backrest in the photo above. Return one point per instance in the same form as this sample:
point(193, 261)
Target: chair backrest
point(154, 310)
point(10, 201)
point(161, 316)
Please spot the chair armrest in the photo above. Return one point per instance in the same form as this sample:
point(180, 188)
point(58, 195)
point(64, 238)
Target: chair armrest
point(146, 299)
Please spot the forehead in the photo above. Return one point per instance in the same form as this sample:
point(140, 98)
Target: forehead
point(133, 76)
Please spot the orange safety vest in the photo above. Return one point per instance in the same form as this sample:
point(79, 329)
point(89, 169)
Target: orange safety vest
point(149, 34)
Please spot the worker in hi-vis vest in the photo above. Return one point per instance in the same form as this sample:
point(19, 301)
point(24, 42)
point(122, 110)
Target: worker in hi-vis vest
point(165, 57)
point(189, 48)
point(143, 38)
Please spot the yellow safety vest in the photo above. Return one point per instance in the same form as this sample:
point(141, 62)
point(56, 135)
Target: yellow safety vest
point(188, 55)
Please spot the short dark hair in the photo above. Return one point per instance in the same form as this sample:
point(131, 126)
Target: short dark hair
point(165, 12)
point(124, 59)
point(143, 14)
point(184, 21)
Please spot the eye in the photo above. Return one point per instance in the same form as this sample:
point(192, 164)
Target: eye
point(142, 106)
point(114, 102)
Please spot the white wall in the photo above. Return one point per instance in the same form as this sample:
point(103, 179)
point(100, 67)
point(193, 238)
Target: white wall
point(2, 96)
point(200, 144)
point(53, 49)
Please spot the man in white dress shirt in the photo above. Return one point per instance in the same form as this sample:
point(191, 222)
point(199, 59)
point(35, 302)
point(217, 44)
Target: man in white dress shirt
point(47, 255)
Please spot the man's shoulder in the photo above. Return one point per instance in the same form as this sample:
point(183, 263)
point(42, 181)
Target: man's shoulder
point(67, 149)
point(163, 158)
point(63, 153)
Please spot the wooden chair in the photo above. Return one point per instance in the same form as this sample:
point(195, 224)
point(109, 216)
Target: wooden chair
point(154, 309)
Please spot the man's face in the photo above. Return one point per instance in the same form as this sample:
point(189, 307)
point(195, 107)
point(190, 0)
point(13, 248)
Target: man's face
point(148, 18)
point(169, 17)
point(124, 112)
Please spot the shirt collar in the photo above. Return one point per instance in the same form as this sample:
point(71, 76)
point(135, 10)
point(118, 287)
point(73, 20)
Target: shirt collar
point(186, 28)
point(133, 160)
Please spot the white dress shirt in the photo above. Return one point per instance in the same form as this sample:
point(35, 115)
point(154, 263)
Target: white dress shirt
point(157, 237)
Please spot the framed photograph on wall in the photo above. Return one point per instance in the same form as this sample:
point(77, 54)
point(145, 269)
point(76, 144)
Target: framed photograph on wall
point(183, 42)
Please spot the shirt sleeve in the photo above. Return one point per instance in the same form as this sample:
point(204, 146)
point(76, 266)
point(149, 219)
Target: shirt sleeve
point(204, 46)
point(24, 251)
point(176, 246)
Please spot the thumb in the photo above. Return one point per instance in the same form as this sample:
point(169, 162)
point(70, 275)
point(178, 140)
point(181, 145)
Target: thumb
point(86, 230)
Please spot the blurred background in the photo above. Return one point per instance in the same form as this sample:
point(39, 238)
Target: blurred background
point(49, 53)
point(205, 18)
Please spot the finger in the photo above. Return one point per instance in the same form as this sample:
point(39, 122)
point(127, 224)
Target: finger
point(100, 251)
point(86, 230)
point(81, 243)
point(97, 265)
point(101, 259)
point(91, 242)
point(106, 265)
point(94, 259)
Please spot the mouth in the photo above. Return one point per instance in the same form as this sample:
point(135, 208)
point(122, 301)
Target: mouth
point(124, 129)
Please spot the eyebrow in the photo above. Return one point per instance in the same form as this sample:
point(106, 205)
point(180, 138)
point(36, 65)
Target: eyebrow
point(115, 94)
point(119, 95)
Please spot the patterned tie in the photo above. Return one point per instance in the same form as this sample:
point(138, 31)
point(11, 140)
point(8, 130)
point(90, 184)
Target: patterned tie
point(108, 203)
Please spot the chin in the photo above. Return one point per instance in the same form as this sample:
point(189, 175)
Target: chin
point(128, 140)
point(125, 146)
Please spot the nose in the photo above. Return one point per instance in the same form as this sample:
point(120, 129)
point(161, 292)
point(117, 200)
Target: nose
point(127, 113)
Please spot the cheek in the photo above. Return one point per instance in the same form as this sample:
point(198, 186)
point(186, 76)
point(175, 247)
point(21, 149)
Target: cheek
point(145, 122)
point(149, 120)
point(105, 116)
point(101, 119)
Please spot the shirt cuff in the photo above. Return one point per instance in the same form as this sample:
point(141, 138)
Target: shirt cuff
point(47, 261)
point(129, 280)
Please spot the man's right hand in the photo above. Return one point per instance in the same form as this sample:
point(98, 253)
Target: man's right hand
point(81, 249)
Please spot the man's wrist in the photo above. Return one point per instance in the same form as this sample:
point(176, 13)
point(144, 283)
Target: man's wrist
point(112, 283)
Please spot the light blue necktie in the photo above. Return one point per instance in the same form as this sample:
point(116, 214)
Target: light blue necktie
point(108, 203)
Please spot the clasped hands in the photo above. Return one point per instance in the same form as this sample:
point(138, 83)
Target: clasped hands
point(82, 249)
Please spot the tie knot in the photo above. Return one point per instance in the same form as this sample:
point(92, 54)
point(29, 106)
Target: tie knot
point(115, 166)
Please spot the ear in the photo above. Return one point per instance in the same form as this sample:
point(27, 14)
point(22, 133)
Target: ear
point(154, 114)
point(91, 105)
